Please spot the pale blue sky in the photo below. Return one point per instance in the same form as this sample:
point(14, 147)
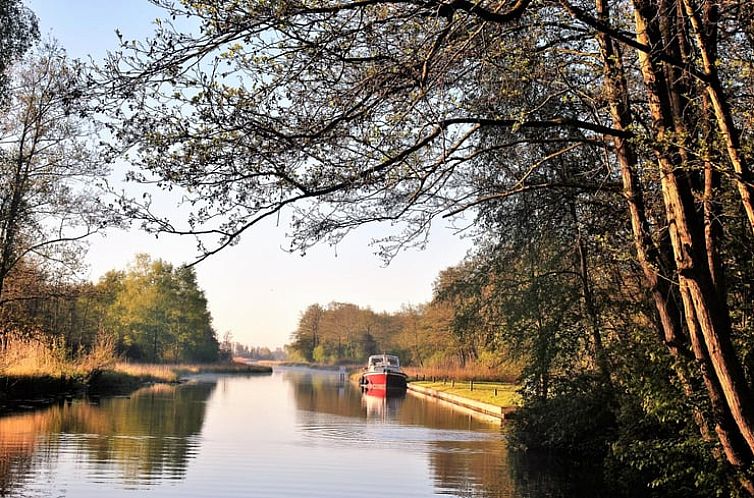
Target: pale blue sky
point(255, 289)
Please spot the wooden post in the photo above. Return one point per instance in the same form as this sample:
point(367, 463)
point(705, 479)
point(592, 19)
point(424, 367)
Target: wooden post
point(496, 391)
point(471, 384)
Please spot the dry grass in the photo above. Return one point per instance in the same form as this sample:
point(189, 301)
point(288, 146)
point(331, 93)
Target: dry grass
point(34, 372)
point(38, 358)
point(173, 372)
point(506, 373)
point(29, 357)
point(155, 372)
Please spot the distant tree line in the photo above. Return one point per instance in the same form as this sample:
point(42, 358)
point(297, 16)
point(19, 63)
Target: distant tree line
point(425, 336)
point(258, 353)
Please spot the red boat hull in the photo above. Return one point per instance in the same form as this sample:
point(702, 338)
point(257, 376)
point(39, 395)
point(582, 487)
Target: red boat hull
point(384, 380)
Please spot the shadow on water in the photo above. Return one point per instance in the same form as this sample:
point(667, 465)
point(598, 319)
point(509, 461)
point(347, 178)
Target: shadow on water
point(541, 475)
point(147, 436)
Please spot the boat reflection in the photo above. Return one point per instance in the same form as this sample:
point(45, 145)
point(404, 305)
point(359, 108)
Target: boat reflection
point(382, 404)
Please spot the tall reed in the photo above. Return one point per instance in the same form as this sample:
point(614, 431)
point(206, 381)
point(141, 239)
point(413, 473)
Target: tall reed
point(37, 357)
point(508, 372)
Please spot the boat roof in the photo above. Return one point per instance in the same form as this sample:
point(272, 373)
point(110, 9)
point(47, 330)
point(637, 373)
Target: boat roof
point(382, 356)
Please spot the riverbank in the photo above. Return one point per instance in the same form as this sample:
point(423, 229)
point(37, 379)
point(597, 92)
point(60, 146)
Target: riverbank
point(25, 392)
point(498, 400)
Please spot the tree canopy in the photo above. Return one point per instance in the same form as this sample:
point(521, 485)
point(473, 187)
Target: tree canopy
point(18, 31)
point(158, 312)
point(624, 121)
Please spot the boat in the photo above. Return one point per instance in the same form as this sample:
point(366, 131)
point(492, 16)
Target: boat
point(383, 371)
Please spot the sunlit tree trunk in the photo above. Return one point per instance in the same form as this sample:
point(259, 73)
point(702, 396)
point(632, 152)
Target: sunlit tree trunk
point(714, 89)
point(646, 250)
point(736, 451)
point(703, 305)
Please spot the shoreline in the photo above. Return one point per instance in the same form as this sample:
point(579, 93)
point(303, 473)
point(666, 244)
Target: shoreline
point(486, 409)
point(19, 393)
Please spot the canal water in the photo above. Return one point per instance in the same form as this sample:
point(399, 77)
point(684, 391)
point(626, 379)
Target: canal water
point(293, 433)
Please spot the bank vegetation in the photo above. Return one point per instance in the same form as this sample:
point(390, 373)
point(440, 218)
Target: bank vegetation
point(598, 152)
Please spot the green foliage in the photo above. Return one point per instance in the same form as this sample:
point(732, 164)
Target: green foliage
point(341, 332)
point(577, 418)
point(673, 466)
point(159, 313)
point(318, 354)
point(603, 193)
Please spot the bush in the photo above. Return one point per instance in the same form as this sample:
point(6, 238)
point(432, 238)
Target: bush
point(577, 419)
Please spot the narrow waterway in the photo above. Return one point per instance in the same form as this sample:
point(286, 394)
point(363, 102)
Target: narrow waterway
point(294, 433)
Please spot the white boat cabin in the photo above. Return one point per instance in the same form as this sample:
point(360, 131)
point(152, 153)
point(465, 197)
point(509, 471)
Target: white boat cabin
point(383, 362)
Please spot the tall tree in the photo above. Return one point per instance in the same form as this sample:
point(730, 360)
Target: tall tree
point(48, 168)
point(343, 113)
point(159, 313)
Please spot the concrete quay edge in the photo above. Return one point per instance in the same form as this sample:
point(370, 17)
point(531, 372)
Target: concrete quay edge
point(501, 412)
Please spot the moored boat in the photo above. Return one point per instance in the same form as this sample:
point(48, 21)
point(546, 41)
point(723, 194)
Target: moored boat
point(383, 371)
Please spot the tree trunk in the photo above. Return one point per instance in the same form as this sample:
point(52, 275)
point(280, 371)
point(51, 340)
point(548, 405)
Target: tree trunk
point(600, 357)
point(704, 307)
point(723, 115)
point(735, 449)
point(646, 251)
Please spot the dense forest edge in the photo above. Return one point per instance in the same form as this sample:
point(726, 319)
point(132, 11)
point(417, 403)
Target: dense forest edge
point(148, 323)
point(598, 153)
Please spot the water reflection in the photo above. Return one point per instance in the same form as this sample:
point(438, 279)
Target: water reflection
point(142, 439)
point(295, 433)
point(382, 405)
point(322, 392)
point(467, 455)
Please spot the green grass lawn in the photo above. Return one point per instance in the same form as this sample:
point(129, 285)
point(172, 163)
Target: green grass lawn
point(483, 391)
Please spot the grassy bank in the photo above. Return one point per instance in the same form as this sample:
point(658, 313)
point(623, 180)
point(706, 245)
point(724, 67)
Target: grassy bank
point(494, 393)
point(32, 390)
point(174, 372)
point(35, 373)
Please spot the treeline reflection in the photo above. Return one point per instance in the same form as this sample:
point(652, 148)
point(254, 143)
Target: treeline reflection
point(148, 436)
point(481, 466)
point(318, 392)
